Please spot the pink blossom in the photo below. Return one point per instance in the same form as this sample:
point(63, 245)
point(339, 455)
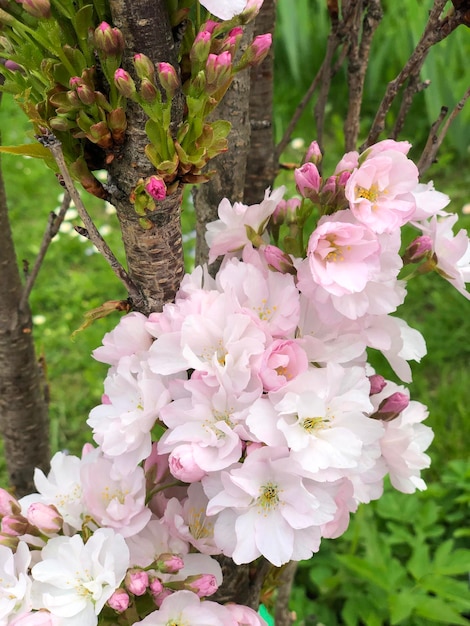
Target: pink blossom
point(229, 234)
point(8, 504)
point(136, 582)
point(452, 252)
point(204, 585)
point(183, 465)
point(45, 517)
point(35, 618)
point(266, 507)
point(244, 616)
point(343, 254)
point(118, 503)
point(429, 202)
point(403, 447)
point(127, 338)
point(119, 601)
point(185, 607)
point(156, 187)
point(308, 180)
point(282, 361)
point(380, 190)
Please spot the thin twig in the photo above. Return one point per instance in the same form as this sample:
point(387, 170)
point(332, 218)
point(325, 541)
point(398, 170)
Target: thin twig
point(52, 228)
point(50, 141)
point(435, 139)
point(435, 30)
point(414, 86)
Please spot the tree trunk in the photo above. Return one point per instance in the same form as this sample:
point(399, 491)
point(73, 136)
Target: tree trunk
point(155, 255)
point(261, 169)
point(23, 405)
point(228, 180)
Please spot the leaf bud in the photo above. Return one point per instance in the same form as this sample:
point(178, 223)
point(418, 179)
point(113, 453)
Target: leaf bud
point(37, 8)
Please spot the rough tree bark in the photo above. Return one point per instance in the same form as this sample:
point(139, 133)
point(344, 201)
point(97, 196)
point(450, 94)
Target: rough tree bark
point(23, 404)
point(155, 255)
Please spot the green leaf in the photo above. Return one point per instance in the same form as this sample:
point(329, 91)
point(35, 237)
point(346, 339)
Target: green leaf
point(440, 611)
point(365, 570)
point(83, 20)
point(456, 562)
point(402, 605)
point(419, 564)
point(447, 588)
point(35, 150)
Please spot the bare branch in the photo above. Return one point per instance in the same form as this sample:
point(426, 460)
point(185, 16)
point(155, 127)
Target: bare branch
point(50, 141)
point(435, 31)
point(435, 140)
point(286, 580)
point(358, 61)
point(51, 231)
point(414, 86)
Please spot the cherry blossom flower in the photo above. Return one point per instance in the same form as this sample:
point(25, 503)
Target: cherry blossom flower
point(75, 579)
point(15, 584)
point(267, 507)
point(185, 607)
point(229, 232)
point(452, 252)
point(380, 190)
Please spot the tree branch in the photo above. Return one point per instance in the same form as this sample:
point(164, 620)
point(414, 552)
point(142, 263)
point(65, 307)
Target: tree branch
point(435, 31)
point(435, 140)
point(51, 231)
point(50, 141)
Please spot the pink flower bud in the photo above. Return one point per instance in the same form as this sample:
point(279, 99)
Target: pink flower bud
point(169, 563)
point(418, 250)
point(45, 517)
point(204, 585)
point(313, 154)
point(183, 466)
point(308, 180)
point(13, 67)
point(377, 383)
point(168, 78)
point(144, 67)
point(148, 90)
point(286, 211)
point(109, 40)
point(156, 586)
point(200, 50)
point(37, 8)
point(8, 504)
point(124, 83)
point(260, 48)
point(15, 525)
point(232, 40)
point(278, 260)
point(119, 601)
point(218, 71)
point(391, 407)
point(155, 187)
point(137, 582)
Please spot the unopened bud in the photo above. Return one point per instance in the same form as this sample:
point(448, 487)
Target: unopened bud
point(420, 249)
point(377, 384)
point(278, 260)
point(169, 563)
point(391, 407)
point(109, 40)
point(232, 41)
point(124, 83)
point(168, 78)
point(137, 582)
point(256, 52)
point(218, 71)
point(9, 541)
point(155, 187)
point(203, 585)
point(45, 517)
point(144, 67)
point(8, 504)
point(313, 153)
point(119, 601)
point(37, 8)
point(156, 586)
point(286, 211)
point(308, 180)
point(148, 91)
point(200, 50)
point(15, 525)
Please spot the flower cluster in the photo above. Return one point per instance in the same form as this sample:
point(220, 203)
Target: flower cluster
point(243, 419)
